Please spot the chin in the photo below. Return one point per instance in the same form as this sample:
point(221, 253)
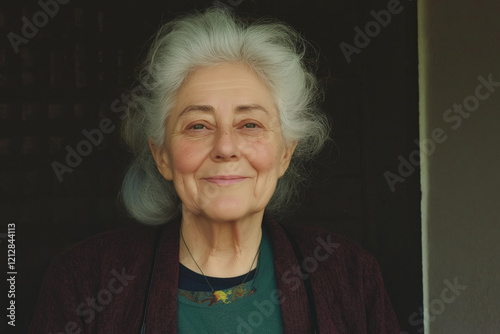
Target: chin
point(229, 209)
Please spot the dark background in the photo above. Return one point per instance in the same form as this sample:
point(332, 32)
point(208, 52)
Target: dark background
point(65, 79)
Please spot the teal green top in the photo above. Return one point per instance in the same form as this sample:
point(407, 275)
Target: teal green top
point(252, 307)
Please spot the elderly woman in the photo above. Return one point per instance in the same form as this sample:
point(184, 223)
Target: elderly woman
point(223, 121)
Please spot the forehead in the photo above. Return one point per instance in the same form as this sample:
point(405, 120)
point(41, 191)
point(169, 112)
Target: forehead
point(230, 82)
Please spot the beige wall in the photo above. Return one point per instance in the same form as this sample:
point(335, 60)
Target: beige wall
point(459, 49)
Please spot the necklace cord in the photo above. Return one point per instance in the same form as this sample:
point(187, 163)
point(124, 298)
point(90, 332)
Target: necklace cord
point(205, 277)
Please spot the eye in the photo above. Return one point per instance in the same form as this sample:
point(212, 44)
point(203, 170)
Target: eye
point(198, 127)
point(250, 125)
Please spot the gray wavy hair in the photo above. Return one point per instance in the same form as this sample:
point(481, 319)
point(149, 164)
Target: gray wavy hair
point(275, 51)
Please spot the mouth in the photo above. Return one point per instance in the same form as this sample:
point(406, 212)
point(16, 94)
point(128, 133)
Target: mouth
point(224, 180)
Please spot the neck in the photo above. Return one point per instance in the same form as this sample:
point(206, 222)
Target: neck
point(221, 249)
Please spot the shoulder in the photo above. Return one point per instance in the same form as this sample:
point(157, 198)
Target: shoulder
point(330, 254)
point(94, 256)
point(319, 243)
point(345, 277)
point(93, 271)
point(123, 240)
point(335, 244)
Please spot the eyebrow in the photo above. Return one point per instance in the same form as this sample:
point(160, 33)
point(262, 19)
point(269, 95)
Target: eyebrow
point(210, 109)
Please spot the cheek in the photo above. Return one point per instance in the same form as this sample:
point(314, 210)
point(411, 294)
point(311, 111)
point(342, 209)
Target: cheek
point(264, 156)
point(187, 157)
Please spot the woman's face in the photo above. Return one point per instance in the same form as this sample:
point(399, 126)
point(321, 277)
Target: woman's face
point(224, 149)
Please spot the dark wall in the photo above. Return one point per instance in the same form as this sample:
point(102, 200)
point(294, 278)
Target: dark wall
point(72, 74)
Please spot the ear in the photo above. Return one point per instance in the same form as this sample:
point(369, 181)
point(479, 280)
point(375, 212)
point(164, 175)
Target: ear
point(287, 156)
point(162, 160)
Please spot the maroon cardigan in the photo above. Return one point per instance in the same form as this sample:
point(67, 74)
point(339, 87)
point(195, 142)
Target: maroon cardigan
point(98, 286)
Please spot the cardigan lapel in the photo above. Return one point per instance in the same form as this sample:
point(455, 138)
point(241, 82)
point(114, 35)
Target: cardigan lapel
point(162, 308)
point(294, 303)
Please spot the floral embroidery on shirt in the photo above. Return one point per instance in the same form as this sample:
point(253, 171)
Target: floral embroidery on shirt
point(226, 296)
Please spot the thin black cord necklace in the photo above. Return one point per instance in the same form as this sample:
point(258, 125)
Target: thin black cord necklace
point(205, 277)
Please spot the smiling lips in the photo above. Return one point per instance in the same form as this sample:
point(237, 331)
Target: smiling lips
point(224, 180)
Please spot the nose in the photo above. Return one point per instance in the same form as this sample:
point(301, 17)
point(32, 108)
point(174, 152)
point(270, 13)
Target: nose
point(226, 146)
